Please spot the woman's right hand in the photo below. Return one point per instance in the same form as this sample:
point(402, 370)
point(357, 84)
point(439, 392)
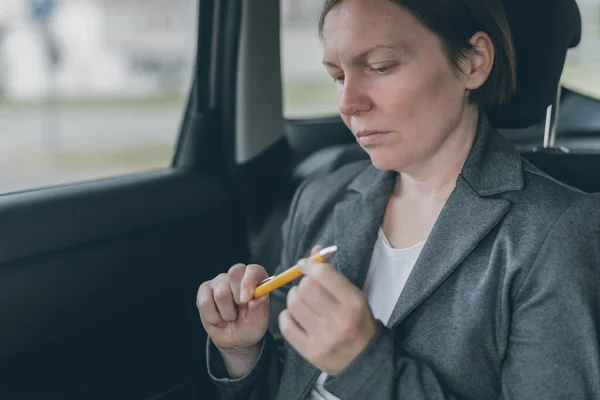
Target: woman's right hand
point(233, 319)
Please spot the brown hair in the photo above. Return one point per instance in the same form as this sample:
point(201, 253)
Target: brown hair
point(455, 22)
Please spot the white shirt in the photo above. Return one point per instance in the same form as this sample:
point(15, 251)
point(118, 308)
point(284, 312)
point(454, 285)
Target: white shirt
point(388, 272)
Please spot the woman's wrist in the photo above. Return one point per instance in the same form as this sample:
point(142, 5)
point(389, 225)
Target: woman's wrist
point(238, 362)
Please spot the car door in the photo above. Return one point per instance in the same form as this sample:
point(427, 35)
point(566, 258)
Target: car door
point(98, 278)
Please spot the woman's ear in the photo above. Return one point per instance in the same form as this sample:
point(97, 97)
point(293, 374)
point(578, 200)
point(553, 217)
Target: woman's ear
point(479, 61)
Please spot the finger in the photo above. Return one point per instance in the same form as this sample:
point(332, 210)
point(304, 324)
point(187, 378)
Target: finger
point(235, 275)
point(304, 315)
point(316, 249)
point(253, 276)
point(336, 284)
point(224, 298)
point(292, 332)
point(314, 295)
point(206, 305)
point(257, 303)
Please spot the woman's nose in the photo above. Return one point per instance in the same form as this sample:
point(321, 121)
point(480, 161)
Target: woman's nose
point(352, 99)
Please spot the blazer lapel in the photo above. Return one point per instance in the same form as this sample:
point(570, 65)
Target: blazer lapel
point(473, 209)
point(357, 219)
point(464, 221)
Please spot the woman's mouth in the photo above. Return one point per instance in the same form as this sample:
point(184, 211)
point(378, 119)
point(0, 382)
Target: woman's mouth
point(365, 138)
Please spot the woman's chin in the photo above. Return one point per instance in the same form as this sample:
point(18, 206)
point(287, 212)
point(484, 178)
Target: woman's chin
point(383, 160)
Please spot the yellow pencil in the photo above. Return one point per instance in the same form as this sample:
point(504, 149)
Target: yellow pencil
point(277, 281)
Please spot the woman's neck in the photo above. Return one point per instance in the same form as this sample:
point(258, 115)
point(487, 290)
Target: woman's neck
point(435, 178)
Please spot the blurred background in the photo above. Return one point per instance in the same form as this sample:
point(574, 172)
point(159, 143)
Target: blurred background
point(97, 88)
point(91, 88)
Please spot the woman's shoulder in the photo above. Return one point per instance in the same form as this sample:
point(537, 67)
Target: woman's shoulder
point(318, 195)
point(544, 201)
point(334, 184)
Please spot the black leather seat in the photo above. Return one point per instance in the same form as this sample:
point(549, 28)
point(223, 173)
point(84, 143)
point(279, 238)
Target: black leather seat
point(543, 31)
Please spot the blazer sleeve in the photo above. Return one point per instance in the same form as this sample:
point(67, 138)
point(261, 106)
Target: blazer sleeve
point(262, 381)
point(553, 350)
point(554, 341)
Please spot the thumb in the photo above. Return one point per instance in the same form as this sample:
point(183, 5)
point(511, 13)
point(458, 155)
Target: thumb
point(316, 249)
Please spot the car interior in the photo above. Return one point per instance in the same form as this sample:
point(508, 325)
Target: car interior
point(98, 279)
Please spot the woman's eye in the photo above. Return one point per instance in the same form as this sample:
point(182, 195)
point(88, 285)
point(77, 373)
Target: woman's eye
point(338, 79)
point(382, 70)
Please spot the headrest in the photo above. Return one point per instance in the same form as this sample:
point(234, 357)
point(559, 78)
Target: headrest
point(542, 31)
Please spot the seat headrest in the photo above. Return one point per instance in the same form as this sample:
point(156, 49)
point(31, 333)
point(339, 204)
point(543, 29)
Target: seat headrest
point(542, 31)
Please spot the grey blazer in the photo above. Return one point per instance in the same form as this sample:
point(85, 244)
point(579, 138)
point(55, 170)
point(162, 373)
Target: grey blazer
point(503, 303)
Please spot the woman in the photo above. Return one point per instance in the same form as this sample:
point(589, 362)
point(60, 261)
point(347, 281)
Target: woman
point(463, 271)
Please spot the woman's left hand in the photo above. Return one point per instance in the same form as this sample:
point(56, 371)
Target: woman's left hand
point(328, 319)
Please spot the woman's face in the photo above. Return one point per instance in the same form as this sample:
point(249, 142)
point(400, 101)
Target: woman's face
point(397, 90)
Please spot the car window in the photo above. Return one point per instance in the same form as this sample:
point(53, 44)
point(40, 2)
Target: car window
point(582, 67)
point(91, 89)
point(307, 88)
